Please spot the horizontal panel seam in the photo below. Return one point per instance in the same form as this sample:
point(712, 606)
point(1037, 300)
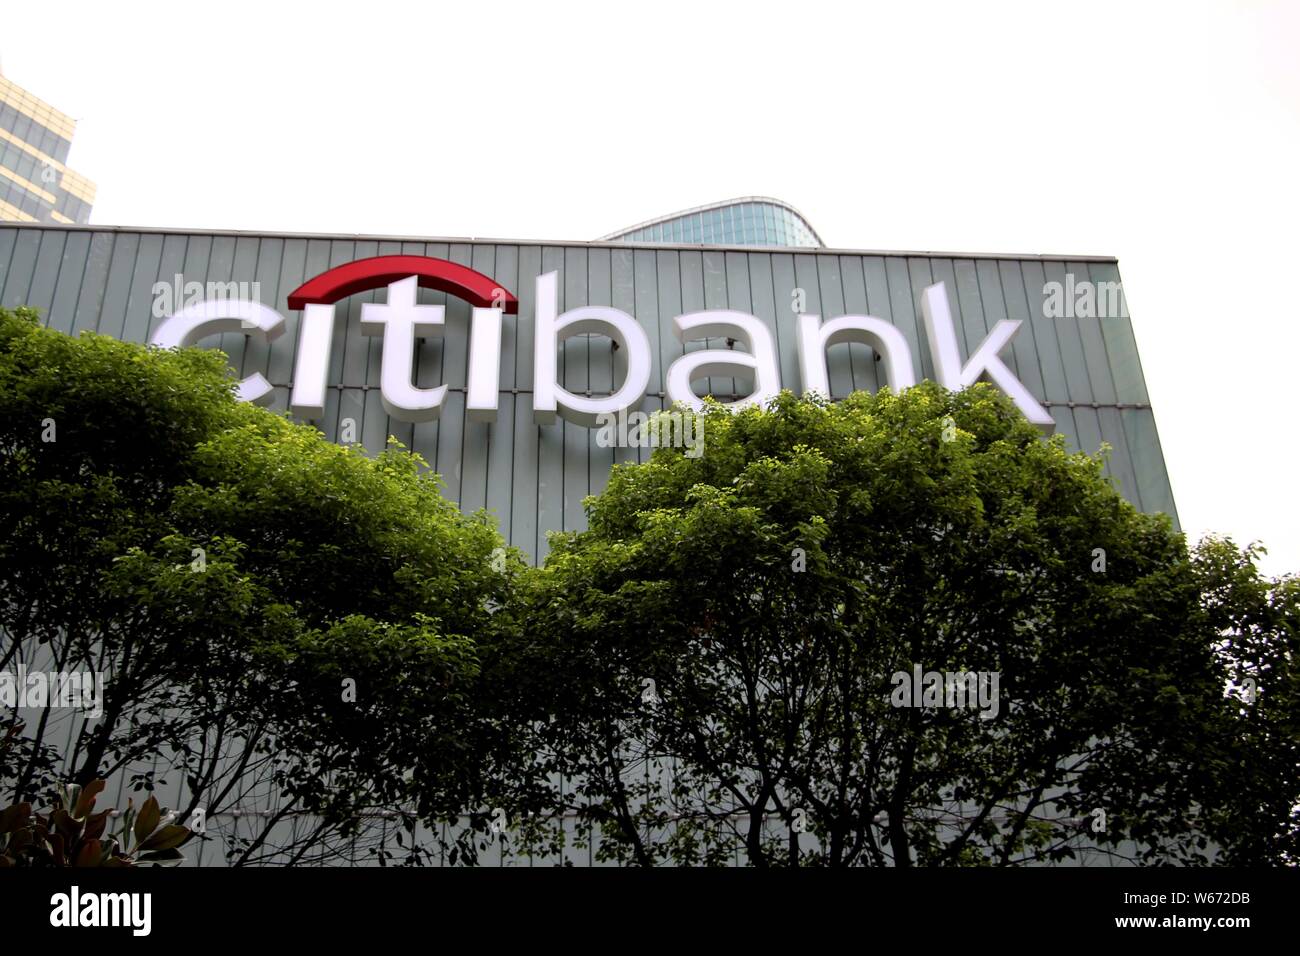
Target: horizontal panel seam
point(590, 393)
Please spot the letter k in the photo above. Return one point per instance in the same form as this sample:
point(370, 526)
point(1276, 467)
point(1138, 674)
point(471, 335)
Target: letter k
point(983, 363)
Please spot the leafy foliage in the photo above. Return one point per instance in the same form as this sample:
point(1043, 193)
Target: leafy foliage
point(709, 666)
point(705, 674)
point(270, 610)
point(72, 834)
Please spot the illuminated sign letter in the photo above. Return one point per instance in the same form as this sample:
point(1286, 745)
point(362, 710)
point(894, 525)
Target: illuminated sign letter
point(549, 398)
point(484, 365)
point(887, 340)
point(759, 363)
point(224, 315)
point(984, 363)
point(310, 368)
point(400, 321)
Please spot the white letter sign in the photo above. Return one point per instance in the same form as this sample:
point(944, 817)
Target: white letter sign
point(889, 343)
point(549, 398)
point(224, 315)
point(983, 363)
point(759, 363)
point(400, 321)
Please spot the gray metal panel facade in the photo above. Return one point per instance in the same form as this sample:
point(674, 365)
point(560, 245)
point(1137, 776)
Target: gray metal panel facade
point(533, 478)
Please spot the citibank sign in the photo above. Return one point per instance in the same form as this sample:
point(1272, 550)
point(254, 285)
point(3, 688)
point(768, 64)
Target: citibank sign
point(401, 320)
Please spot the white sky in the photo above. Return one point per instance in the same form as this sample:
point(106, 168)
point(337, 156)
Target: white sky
point(1167, 134)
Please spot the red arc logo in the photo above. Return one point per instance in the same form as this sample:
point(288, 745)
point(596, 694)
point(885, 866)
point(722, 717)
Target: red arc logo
point(377, 272)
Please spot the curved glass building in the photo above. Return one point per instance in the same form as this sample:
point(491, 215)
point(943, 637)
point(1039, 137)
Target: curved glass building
point(748, 221)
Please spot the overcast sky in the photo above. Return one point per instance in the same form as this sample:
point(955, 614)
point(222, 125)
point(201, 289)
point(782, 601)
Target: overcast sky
point(1167, 134)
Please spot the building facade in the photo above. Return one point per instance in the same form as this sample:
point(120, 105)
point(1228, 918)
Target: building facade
point(1083, 370)
point(749, 221)
point(288, 311)
point(35, 183)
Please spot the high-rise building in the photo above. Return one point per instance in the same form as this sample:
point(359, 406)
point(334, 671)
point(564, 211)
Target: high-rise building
point(35, 185)
point(748, 221)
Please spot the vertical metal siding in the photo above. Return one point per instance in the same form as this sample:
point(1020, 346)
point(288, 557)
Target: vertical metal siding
point(534, 478)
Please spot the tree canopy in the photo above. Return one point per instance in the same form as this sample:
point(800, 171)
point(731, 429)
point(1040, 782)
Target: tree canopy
point(901, 629)
point(270, 610)
point(717, 661)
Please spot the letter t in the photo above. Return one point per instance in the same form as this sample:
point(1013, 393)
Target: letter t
point(400, 321)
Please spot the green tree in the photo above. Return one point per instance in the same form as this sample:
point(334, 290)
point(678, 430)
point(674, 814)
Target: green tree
point(711, 666)
point(271, 611)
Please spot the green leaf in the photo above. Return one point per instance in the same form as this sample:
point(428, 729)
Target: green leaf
point(167, 837)
point(96, 824)
point(90, 854)
point(86, 799)
point(147, 821)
